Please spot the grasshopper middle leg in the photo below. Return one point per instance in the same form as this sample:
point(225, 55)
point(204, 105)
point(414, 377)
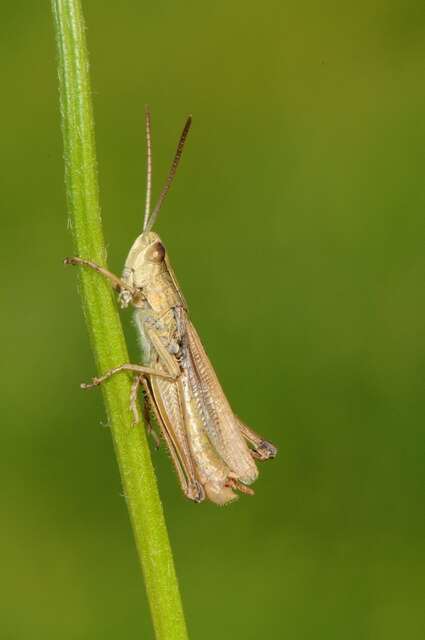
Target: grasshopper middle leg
point(139, 379)
point(135, 368)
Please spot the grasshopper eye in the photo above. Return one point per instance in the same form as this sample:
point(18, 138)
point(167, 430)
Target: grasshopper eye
point(156, 253)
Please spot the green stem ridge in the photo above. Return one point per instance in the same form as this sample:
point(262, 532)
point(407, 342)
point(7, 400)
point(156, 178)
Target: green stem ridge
point(107, 338)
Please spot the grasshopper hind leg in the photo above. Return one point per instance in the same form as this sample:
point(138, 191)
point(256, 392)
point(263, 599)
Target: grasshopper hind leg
point(190, 485)
point(260, 449)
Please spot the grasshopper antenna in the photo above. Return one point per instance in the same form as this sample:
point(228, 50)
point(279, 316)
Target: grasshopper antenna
point(173, 169)
point(148, 166)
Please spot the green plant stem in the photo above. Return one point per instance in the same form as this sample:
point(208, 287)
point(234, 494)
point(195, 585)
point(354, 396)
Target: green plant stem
point(107, 339)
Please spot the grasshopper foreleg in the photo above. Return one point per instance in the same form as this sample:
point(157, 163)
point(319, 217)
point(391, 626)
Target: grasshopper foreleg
point(127, 292)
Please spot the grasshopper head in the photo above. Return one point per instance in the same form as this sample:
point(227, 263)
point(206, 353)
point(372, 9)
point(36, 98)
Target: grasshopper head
point(145, 260)
point(147, 255)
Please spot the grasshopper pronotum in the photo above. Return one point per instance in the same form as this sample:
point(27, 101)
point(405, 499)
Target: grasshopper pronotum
point(213, 451)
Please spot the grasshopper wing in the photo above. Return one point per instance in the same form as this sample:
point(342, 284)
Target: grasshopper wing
point(226, 431)
point(221, 424)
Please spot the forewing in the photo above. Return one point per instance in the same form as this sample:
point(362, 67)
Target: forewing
point(220, 423)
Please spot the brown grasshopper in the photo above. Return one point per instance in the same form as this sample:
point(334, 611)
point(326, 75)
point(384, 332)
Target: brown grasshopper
point(213, 451)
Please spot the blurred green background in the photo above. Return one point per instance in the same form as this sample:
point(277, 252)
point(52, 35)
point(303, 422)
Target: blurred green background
point(296, 228)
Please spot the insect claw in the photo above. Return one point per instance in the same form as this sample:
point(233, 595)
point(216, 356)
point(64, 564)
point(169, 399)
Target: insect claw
point(155, 437)
point(124, 298)
point(89, 385)
point(267, 450)
point(71, 260)
point(235, 484)
point(196, 492)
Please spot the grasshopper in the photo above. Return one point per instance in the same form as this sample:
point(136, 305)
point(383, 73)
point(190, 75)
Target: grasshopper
point(213, 451)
